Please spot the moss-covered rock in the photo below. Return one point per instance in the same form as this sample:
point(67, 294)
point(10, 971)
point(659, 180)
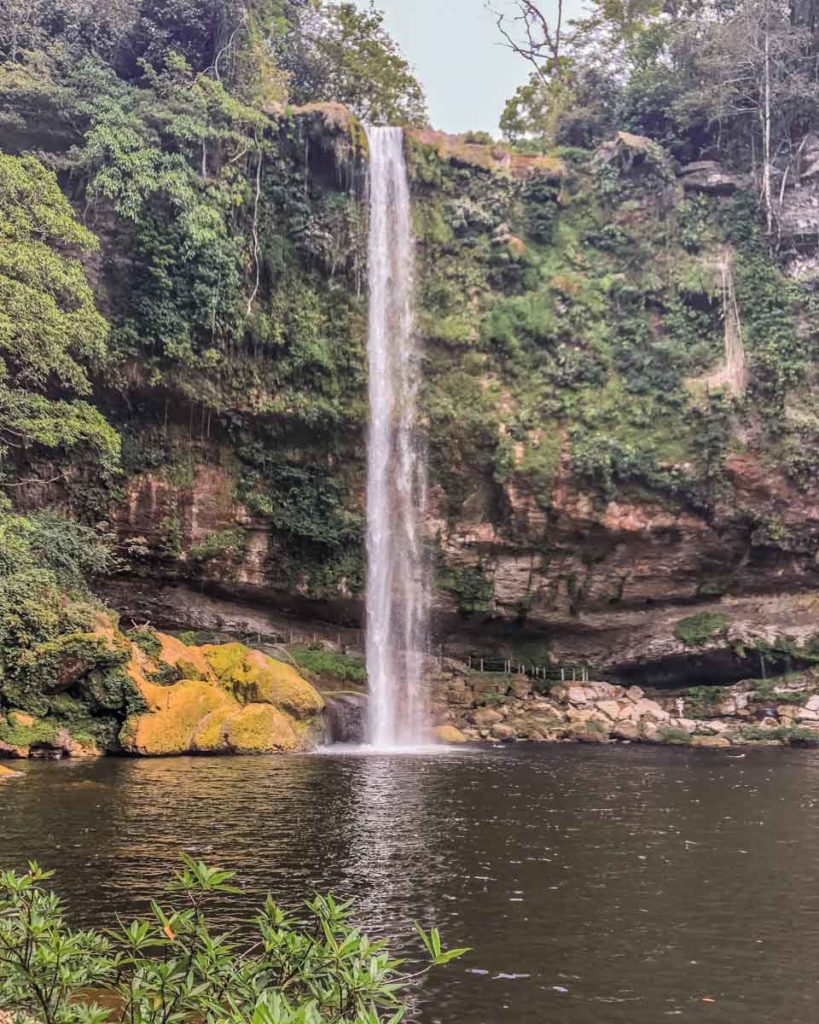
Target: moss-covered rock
point(255, 678)
point(263, 729)
point(239, 700)
point(174, 715)
point(210, 735)
point(23, 735)
point(449, 734)
point(190, 661)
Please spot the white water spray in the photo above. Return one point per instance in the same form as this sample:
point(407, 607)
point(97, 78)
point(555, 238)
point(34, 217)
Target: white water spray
point(397, 592)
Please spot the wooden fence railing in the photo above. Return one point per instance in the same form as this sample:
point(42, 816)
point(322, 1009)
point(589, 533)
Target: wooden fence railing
point(353, 642)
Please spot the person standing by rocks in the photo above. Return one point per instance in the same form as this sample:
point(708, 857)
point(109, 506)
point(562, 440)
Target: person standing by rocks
point(679, 704)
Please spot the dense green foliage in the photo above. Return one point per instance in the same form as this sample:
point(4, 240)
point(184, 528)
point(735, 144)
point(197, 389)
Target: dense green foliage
point(50, 329)
point(312, 966)
point(330, 665)
point(696, 630)
point(577, 309)
point(52, 664)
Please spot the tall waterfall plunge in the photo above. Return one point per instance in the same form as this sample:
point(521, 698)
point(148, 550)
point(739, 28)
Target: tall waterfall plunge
point(397, 594)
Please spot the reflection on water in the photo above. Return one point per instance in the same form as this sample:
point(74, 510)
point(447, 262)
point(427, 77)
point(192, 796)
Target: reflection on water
point(595, 885)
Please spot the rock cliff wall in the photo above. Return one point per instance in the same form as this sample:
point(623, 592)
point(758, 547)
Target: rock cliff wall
point(619, 402)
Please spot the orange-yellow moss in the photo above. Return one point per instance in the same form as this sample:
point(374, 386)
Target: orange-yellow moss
point(175, 712)
point(223, 658)
point(449, 734)
point(234, 698)
point(210, 735)
point(20, 718)
point(189, 660)
point(260, 729)
point(254, 678)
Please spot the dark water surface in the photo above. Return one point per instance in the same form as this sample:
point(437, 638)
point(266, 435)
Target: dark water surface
point(611, 884)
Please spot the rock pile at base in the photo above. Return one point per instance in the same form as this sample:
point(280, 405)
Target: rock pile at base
point(506, 708)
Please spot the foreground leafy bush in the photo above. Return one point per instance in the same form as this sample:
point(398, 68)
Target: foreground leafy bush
point(284, 968)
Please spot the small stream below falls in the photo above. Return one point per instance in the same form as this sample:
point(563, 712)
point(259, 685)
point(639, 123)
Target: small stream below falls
point(596, 884)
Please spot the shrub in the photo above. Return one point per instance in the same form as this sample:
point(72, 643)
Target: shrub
point(703, 698)
point(674, 737)
point(698, 629)
point(348, 668)
point(790, 735)
point(147, 640)
point(306, 968)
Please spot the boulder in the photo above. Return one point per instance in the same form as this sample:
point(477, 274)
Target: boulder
point(806, 715)
point(710, 741)
point(521, 686)
point(645, 708)
point(625, 730)
point(585, 693)
point(502, 731)
point(485, 717)
point(610, 708)
point(710, 178)
point(173, 717)
point(255, 678)
point(9, 751)
point(236, 700)
point(262, 729)
point(591, 731)
point(649, 731)
point(7, 773)
point(449, 734)
point(812, 703)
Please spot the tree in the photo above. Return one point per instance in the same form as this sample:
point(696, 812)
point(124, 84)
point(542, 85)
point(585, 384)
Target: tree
point(337, 52)
point(572, 85)
point(50, 329)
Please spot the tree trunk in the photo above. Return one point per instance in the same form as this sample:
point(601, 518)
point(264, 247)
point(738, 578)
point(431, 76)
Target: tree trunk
point(766, 121)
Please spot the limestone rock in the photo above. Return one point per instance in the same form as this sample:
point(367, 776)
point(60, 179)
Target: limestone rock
point(585, 693)
point(709, 177)
point(649, 731)
point(174, 714)
point(485, 717)
point(237, 700)
point(650, 708)
point(255, 678)
point(449, 734)
point(502, 731)
point(590, 731)
point(710, 741)
point(11, 752)
point(609, 708)
point(625, 730)
point(262, 729)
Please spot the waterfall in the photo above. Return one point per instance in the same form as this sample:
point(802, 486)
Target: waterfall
point(397, 594)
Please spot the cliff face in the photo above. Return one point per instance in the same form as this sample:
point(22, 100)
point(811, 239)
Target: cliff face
point(620, 404)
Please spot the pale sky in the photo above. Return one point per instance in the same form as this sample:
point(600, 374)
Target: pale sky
point(454, 48)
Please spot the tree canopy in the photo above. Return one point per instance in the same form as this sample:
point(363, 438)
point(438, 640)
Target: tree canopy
point(50, 329)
